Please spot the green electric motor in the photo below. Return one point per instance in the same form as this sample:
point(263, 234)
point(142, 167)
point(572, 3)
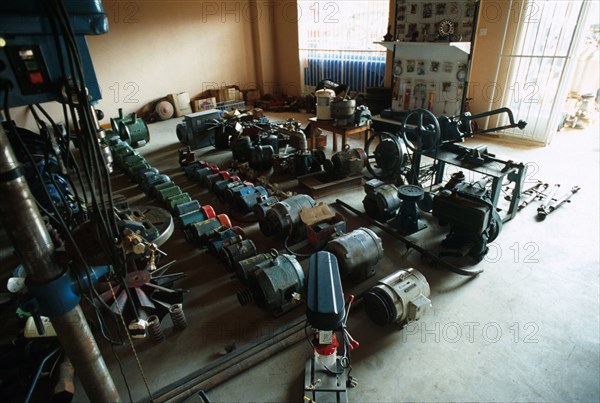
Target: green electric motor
point(131, 129)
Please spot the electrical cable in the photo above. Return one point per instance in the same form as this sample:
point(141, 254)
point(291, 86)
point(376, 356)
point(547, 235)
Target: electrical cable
point(103, 217)
point(287, 248)
point(87, 153)
point(36, 377)
point(57, 214)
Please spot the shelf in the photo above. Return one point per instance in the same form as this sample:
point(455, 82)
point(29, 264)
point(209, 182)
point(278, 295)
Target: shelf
point(464, 47)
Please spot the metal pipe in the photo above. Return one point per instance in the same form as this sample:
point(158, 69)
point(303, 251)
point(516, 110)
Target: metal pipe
point(22, 219)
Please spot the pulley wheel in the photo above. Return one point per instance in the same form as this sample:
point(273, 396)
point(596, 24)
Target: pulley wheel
point(384, 155)
point(379, 308)
point(160, 218)
point(495, 226)
point(410, 193)
point(164, 110)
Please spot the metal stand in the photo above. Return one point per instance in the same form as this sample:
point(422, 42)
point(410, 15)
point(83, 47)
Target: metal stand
point(324, 386)
point(22, 219)
point(495, 168)
point(408, 221)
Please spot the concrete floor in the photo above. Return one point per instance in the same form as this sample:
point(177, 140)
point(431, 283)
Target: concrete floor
point(527, 329)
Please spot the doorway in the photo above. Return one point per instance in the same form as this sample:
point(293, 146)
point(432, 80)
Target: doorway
point(539, 61)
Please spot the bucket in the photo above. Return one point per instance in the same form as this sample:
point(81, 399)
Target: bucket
point(324, 98)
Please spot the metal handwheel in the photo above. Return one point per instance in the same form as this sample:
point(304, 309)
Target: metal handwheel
point(427, 132)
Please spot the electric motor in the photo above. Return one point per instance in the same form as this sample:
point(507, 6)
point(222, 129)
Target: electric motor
point(194, 166)
point(224, 236)
point(381, 200)
point(244, 267)
point(348, 162)
point(260, 157)
point(231, 254)
point(275, 285)
point(239, 148)
point(263, 205)
point(192, 212)
point(234, 189)
point(219, 186)
point(134, 131)
point(198, 129)
point(199, 174)
point(245, 200)
point(200, 231)
point(149, 182)
point(357, 252)
point(283, 218)
point(210, 180)
point(131, 129)
point(140, 176)
point(401, 297)
point(303, 161)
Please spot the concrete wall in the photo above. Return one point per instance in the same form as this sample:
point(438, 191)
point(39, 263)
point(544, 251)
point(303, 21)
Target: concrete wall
point(154, 48)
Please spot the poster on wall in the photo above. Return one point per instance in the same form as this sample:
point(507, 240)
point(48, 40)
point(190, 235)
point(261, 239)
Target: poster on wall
point(423, 22)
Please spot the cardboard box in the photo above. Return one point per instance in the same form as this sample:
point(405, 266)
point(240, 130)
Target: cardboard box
point(227, 93)
point(204, 104)
point(320, 233)
point(181, 103)
point(321, 223)
point(251, 96)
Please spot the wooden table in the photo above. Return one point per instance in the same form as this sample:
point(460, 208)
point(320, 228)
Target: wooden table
point(342, 130)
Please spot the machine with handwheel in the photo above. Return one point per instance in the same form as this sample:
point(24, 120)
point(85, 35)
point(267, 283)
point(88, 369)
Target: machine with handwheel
point(469, 207)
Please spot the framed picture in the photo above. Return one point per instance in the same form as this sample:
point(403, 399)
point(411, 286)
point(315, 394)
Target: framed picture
point(427, 10)
point(467, 28)
point(410, 66)
point(434, 66)
point(400, 30)
point(402, 13)
point(453, 9)
point(421, 68)
point(470, 10)
point(440, 8)
point(412, 32)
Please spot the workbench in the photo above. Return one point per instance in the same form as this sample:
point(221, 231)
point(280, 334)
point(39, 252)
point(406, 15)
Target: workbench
point(329, 125)
point(496, 169)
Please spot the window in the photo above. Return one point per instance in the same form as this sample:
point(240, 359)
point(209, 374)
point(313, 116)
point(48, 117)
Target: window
point(336, 42)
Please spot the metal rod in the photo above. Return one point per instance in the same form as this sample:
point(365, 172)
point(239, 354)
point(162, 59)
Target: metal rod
point(411, 244)
point(32, 241)
point(177, 391)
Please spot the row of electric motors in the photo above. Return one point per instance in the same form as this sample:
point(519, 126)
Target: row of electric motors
point(263, 145)
point(274, 281)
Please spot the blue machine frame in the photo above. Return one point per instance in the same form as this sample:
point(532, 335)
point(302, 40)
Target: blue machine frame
point(26, 32)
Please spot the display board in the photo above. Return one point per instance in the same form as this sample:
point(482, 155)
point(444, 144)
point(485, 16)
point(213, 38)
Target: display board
point(432, 55)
